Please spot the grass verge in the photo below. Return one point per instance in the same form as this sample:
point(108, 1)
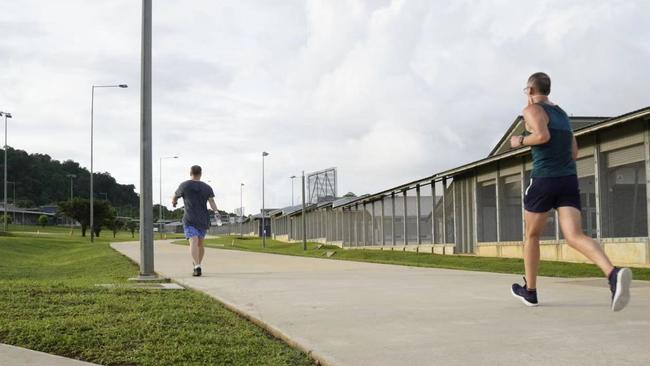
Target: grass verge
point(461, 262)
point(49, 302)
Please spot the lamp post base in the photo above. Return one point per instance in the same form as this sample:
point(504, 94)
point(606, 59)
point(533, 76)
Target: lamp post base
point(149, 278)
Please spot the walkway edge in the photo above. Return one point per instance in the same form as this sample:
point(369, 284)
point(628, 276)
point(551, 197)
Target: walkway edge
point(317, 357)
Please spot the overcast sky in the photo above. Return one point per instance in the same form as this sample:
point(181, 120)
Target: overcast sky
point(386, 91)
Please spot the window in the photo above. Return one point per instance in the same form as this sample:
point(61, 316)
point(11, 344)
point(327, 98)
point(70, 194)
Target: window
point(587, 184)
point(486, 197)
point(411, 216)
point(399, 218)
point(510, 215)
point(450, 212)
point(623, 187)
point(426, 207)
point(439, 214)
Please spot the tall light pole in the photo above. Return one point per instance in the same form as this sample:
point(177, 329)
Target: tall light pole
point(6, 115)
point(264, 153)
point(160, 208)
point(71, 176)
point(241, 208)
point(304, 215)
point(13, 217)
point(92, 107)
point(146, 194)
point(292, 178)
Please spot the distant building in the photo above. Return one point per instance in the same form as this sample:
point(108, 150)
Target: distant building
point(477, 208)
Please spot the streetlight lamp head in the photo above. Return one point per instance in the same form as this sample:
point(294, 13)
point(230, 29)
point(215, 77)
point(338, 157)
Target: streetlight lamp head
point(293, 176)
point(123, 86)
point(264, 153)
point(242, 184)
point(8, 115)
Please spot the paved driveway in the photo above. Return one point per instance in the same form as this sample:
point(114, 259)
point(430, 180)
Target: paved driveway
point(352, 313)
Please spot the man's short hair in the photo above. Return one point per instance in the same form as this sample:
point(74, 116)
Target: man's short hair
point(195, 170)
point(541, 82)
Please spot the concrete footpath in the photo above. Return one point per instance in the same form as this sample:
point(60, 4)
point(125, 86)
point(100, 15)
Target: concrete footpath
point(352, 313)
point(16, 356)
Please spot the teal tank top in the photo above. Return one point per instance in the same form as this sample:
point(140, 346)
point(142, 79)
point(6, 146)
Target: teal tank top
point(555, 158)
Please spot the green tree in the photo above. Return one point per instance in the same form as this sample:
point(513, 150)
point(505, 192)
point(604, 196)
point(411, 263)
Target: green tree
point(79, 209)
point(10, 219)
point(131, 225)
point(43, 220)
point(115, 223)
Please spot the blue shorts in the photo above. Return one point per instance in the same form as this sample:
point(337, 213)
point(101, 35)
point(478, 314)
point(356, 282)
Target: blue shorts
point(546, 193)
point(191, 231)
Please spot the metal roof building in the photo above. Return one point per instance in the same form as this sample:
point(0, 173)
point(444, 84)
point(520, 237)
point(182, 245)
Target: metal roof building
point(477, 208)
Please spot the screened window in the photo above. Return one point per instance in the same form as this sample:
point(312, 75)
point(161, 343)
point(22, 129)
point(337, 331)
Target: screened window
point(426, 208)
point(587, 184)
point(388, 220)
point(411, 216)
point(624, 211)
point(399, 218)
point(486, 197)
point(449, 208)
point(439, 214)
point(510, 218)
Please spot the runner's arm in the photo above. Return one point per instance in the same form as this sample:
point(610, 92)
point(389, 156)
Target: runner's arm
point(178, 194)
point(574, 149)
point(537, 120)
point(213, 205)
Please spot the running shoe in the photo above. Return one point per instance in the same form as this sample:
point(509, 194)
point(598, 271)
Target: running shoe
point(529, 298)
point(619, 283)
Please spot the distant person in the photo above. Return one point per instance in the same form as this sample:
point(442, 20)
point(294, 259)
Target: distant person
point(554, 184)
point(196, 219)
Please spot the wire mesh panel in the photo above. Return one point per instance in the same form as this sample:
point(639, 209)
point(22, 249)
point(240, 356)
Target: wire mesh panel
point(439, 211)
point(510, 208)
point(587, 185)
point(368, 223)
point(399, 218)
point(450, 212)
point(388, 220)
point(376, 222)
point(346, 225)
point(426, 209)
point(411, 216)
point(623, 193)
point(486, 198)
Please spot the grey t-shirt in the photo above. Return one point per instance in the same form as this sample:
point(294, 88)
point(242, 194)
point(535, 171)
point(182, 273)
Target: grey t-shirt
point(195, 195)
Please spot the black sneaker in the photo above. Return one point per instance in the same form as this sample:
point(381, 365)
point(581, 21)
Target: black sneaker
point(529, 298)
point(197, 272)
point(619, 283)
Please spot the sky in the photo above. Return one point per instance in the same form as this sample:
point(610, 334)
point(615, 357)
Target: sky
point(385, 91)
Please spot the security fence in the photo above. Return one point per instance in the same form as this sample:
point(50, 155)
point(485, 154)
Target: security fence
point(480, 204)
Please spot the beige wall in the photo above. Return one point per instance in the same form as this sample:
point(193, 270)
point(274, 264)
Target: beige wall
point(621, 252)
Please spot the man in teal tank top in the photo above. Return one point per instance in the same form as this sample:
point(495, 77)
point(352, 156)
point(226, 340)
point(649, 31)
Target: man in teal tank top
point(554, 184)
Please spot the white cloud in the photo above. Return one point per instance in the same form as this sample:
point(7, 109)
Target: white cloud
point(387, 91)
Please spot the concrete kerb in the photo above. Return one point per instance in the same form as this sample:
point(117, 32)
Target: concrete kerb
point(318, 358)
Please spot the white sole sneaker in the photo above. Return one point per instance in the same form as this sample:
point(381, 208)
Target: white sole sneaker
point(622, 294)
point(522, 299)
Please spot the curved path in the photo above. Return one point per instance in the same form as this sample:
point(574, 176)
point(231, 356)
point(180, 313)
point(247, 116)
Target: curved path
point(352, 313)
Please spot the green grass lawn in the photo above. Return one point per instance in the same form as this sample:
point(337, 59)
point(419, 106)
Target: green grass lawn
point(49, 302)
point(464, 262)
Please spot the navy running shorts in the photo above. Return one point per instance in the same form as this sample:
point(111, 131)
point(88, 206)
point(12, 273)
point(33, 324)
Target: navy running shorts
point(546, 193)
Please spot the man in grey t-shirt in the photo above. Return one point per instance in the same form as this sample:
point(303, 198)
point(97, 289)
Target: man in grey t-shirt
point(196, 219)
